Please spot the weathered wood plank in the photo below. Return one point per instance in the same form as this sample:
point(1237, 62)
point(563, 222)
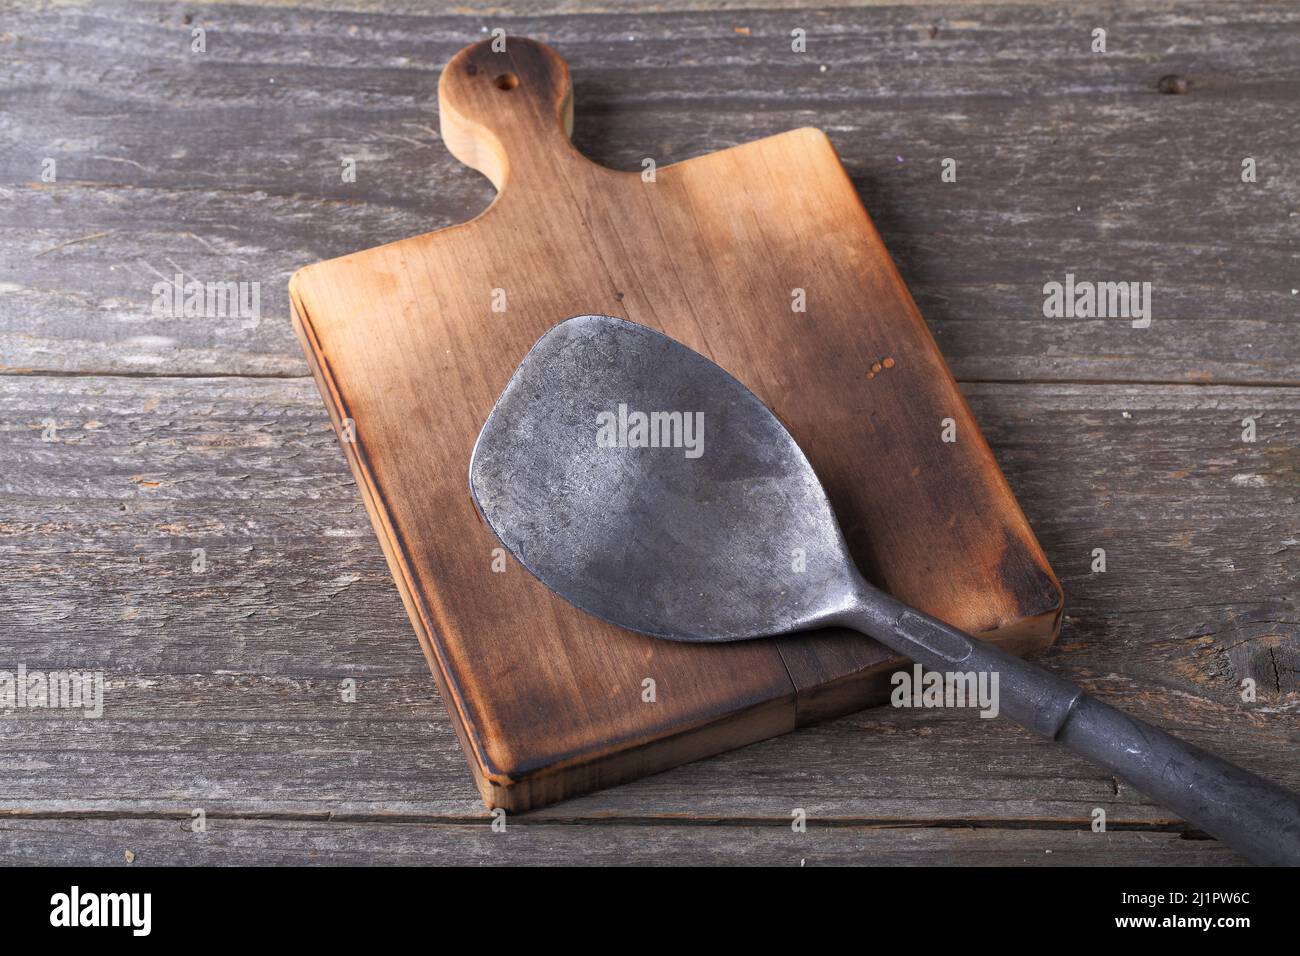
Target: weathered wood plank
point(226, 166)
point(243, 745)
point(519, 8)
point(171, 842)
point(224, 686)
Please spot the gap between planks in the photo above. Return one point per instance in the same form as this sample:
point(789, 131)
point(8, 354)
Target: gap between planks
point(543, 818)
point(961, 380)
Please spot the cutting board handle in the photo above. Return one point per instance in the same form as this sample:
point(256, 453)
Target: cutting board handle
point(512, 101)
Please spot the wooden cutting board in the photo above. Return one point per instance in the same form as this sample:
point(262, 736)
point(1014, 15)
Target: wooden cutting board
point(412, 342)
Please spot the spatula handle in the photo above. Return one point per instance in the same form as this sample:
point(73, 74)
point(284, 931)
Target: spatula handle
point(1252, 815)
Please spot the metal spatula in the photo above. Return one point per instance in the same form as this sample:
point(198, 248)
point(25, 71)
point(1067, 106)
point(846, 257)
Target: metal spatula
point(642, 483)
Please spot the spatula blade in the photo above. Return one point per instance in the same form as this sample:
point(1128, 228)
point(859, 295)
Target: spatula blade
point(641, 482)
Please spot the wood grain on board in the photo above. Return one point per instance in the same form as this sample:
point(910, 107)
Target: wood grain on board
point(760, 257)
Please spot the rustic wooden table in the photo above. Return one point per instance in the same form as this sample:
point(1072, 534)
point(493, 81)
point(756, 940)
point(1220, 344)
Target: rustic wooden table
point(130, 438)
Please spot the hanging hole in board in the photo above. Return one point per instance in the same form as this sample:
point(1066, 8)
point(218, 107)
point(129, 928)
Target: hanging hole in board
point(505, 81)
